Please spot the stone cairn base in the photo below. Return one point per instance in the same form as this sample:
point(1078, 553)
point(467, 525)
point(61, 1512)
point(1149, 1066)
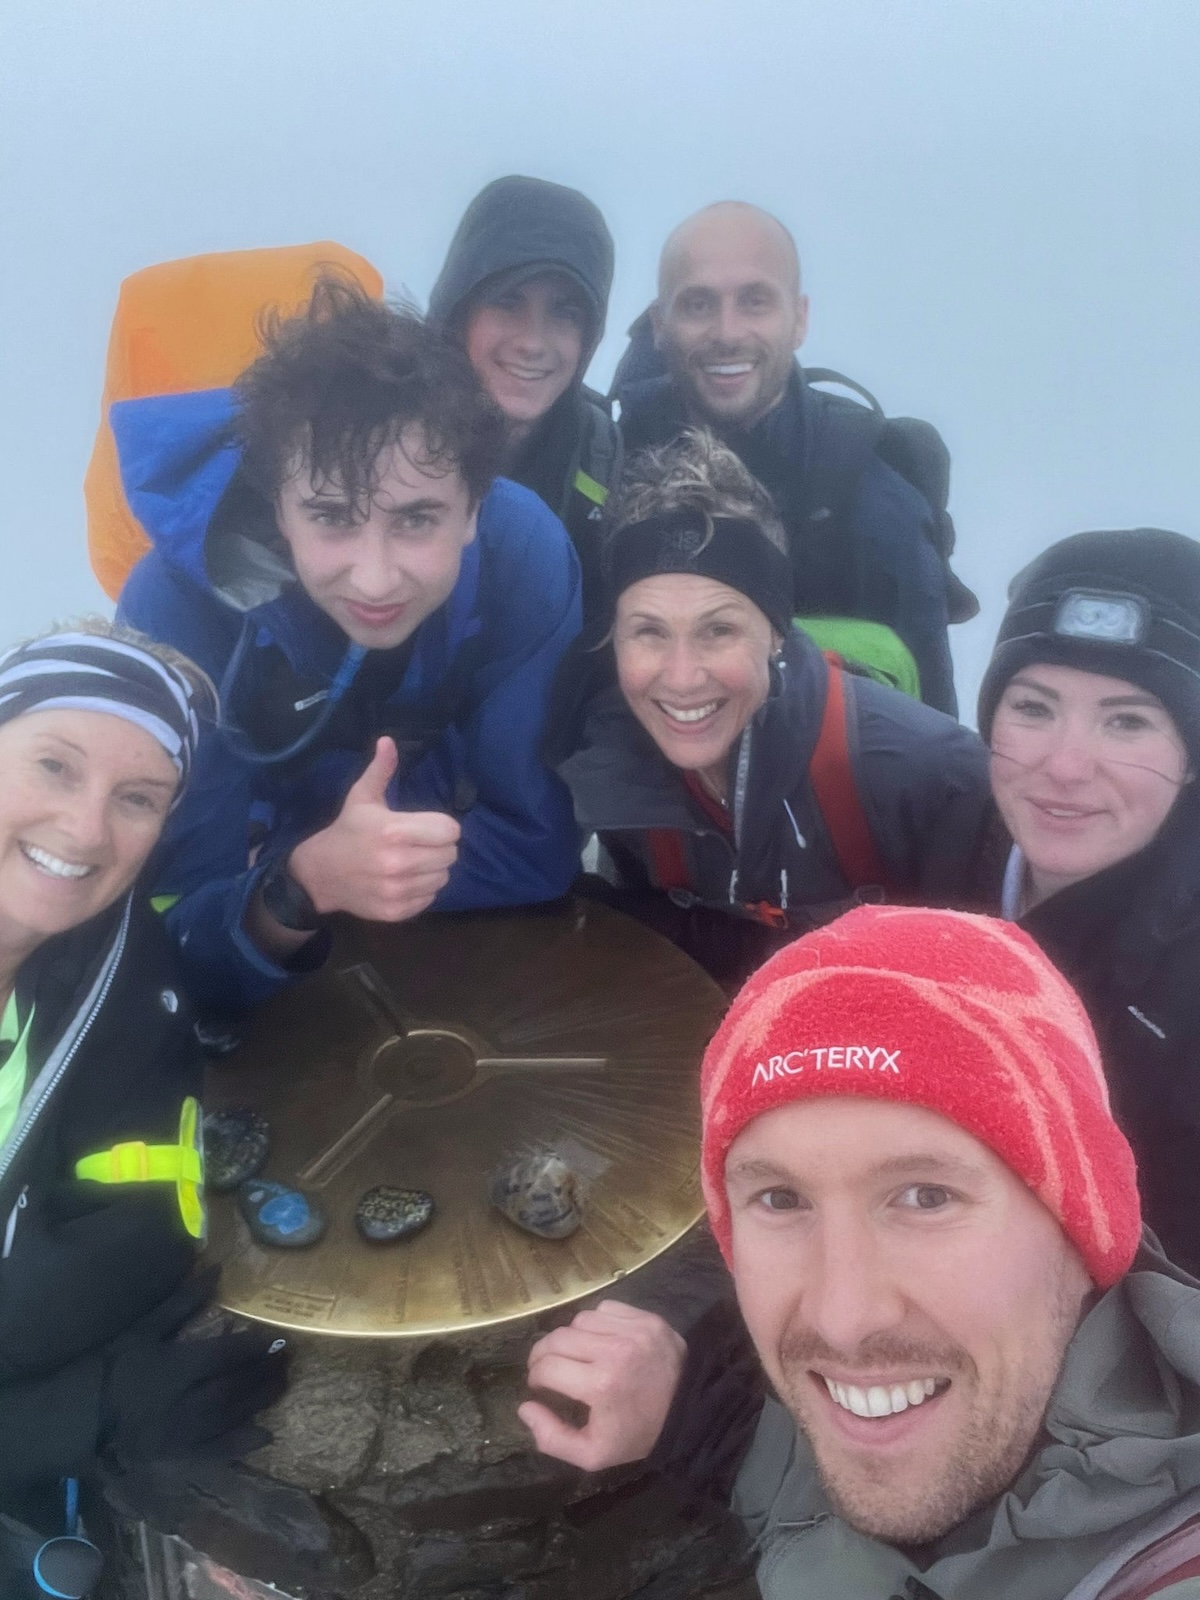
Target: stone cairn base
point(399, 1471)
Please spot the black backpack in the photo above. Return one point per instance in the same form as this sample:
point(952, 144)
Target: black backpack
point(850, 434)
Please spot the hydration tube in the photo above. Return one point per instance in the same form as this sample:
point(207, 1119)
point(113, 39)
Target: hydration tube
point(68, 1567)
point(241, 743)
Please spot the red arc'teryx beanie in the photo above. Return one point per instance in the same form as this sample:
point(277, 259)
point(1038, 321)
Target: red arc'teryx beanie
point(960, 1014)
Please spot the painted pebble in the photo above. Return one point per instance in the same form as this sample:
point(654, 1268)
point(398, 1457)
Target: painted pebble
point(235, 1147)
point(277, 1215)
point(385, 1214)
point(539, 1193)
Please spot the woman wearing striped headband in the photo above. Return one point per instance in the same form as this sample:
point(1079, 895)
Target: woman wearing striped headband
point(101, 1179)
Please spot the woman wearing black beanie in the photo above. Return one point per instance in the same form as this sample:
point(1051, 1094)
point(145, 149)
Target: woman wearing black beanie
point(1091, 709)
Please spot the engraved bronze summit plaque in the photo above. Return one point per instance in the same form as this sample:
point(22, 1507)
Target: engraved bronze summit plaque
point(425, 1055)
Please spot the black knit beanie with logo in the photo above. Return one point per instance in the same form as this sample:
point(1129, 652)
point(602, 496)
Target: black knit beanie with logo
point(1124, 604)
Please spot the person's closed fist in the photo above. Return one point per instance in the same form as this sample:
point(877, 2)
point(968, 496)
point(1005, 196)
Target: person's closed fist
point(624, 1365)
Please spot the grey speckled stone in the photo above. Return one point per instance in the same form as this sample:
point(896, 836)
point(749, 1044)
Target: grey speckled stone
point(540, 1193)
point(235, 1147)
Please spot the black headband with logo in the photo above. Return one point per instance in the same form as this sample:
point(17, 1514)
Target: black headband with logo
point(730, 550)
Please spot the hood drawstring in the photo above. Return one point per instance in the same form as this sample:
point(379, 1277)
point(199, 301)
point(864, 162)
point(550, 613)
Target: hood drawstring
point(800, 839)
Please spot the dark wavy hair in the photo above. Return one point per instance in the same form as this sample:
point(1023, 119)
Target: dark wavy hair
point(341, 381)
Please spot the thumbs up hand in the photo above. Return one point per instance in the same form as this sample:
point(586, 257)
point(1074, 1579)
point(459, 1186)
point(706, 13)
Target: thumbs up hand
point(375, 863)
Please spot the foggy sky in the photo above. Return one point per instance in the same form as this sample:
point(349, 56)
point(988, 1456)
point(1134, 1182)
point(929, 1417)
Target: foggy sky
point(996, 203)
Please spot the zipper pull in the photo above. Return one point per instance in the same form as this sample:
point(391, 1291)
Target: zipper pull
point(10, 1231)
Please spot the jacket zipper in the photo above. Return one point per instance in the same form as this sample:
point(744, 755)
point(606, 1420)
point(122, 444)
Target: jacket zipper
point(740, 782)
point(10, 1231)
point(739, 805)
point(114, 960)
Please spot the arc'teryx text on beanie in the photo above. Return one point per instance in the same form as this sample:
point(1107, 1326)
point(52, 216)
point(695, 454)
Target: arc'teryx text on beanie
point(960, 1014)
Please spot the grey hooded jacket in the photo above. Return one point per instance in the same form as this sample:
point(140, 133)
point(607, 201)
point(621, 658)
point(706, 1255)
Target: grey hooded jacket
point(1117, 1469)
point(512, 228)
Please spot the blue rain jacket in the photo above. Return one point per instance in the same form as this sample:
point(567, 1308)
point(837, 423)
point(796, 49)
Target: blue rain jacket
point(205, 586)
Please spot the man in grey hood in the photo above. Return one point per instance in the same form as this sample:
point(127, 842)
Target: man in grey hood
point(524, 289)
point(981, 1381)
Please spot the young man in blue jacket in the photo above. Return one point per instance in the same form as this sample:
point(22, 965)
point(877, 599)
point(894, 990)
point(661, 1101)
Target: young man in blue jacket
point(729, 318)
point(383, 619)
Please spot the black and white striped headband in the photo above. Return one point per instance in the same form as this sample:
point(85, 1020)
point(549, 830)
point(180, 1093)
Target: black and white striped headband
point(90, 672)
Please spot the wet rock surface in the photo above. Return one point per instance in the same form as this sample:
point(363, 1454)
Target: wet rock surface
point(412, 1449)
point(236, 1143)
point(385, 1215)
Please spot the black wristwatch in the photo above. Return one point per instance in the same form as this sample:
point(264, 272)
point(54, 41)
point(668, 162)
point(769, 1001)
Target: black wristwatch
point(287, 901)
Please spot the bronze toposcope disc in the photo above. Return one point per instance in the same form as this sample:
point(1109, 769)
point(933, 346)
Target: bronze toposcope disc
point(425, 1055)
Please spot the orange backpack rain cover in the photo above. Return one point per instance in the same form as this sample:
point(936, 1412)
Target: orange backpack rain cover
point(183, 325)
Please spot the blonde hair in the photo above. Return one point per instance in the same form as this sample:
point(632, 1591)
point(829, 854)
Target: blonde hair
point(695, 472)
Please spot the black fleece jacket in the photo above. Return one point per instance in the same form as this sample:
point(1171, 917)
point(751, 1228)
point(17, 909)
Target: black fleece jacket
point(1128, 940)
point(81, 1261)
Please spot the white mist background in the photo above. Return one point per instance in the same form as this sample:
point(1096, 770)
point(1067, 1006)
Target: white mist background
point(997, 203)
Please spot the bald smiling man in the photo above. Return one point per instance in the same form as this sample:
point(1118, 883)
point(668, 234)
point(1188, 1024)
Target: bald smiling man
point(730, 315)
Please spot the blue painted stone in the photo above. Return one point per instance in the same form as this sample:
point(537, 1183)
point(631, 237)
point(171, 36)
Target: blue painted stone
point(279, 1216)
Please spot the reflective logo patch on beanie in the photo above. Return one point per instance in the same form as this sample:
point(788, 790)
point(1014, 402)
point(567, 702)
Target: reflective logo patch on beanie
point(829, 1058)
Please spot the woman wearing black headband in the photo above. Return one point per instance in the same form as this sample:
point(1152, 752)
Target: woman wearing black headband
point(1091, 706)
point(744, 788)
point(101, 1181)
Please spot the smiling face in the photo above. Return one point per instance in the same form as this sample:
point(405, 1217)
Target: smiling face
point(379, 570)
point(729, 315)
point(693, 662)
point(1084, 770)
point(911, 1301)
point(526, 344)
point(83, 799)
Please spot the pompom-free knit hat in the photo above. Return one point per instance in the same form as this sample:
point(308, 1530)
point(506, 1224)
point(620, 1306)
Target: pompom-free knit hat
point(960, 1014)
point(1125, 604)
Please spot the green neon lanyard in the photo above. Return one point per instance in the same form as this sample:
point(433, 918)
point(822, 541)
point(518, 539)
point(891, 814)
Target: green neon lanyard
point(15, 1070)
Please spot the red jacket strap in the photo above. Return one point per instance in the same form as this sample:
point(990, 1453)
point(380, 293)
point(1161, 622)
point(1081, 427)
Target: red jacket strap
point(832, 778)
point(668, 864)
point(1167, 1561)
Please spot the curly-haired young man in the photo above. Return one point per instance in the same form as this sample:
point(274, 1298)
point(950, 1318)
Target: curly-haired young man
point(384, 619)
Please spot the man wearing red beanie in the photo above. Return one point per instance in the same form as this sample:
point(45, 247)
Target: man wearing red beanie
point(980, 1382)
